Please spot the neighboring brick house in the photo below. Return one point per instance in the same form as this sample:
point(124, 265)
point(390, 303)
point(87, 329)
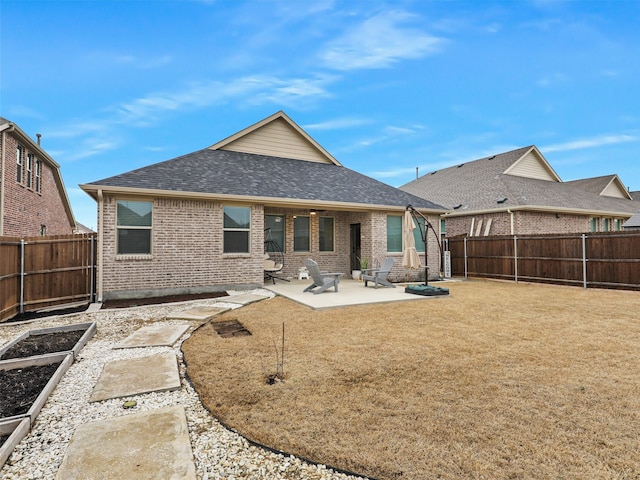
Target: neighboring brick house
point(33, 200)
point(519, 193)
point(196, 223)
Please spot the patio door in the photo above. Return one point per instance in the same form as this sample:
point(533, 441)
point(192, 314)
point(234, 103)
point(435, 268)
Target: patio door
point(354, 233)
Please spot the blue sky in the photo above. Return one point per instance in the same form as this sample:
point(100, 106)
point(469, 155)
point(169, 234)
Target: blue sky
point(384, 86)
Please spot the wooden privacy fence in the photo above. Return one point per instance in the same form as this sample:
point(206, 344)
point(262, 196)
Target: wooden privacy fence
point(40, 272)
point(603, 260)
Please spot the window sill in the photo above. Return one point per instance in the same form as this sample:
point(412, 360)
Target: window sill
point(138, 256)
point(236, 255)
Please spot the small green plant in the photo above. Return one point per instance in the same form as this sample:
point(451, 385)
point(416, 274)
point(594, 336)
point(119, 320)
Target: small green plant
point(364, 263)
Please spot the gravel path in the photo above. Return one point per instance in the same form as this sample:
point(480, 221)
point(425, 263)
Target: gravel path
point(218, 452)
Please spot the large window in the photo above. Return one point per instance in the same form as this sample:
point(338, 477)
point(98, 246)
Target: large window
point(38, 175)
point(134, 222)
point(237, 229)
point(29, 169)
point(275, 227)
point(301, 234)
point(326, 227)
point(19, 163)
point(394, 233)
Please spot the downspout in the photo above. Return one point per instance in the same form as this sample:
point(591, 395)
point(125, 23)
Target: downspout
point(512, 221)
point(100, 265)
point(3, 180)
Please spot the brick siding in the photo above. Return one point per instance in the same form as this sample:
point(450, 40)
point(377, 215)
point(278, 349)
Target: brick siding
point(524, 223)
point(24, 209)
point(187, 244)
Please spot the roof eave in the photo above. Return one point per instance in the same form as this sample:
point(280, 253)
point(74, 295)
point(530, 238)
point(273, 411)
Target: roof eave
point(539, 208)
point(92, 190)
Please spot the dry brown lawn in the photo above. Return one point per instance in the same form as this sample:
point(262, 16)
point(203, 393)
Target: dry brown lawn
point(498, 380)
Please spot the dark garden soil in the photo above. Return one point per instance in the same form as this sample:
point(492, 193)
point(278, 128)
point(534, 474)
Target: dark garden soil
point(21, 387)
point(43, 344)
point(138, 302)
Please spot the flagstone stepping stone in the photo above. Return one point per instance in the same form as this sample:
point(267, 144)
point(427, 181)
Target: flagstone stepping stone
point(144, 446)
point(244, 298)
point(124, 378)
point(153, 336)
point(199, 313)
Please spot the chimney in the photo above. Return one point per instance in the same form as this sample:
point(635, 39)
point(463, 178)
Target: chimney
point(38, 135)
point(417, 172)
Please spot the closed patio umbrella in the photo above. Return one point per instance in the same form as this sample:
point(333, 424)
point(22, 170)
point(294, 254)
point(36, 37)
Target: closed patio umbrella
point(410, 257)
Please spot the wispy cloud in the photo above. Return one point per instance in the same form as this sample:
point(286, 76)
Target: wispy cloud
point(379, 42)
point(338, 124)
point(593, 142)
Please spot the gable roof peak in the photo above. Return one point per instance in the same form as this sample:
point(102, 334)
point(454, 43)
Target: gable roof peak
point(276, 135)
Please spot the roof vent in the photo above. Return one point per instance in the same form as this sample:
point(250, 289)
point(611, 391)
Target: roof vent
point(491, 157)
point(461, 165)
point(457, 206)
point(501, 199)
point(434, 172)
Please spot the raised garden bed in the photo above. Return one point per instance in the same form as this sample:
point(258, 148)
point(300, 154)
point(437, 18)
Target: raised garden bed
point(69, 338)
point(11, 432)
point(26, 383)
point(31, 367)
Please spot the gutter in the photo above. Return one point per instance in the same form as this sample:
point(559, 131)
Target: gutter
point(92, 191)
point(534, 208)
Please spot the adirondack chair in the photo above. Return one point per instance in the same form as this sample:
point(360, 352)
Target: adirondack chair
point(379, 275)
point(321, 281)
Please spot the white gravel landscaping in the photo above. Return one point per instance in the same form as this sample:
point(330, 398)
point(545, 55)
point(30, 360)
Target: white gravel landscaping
point(218, 452)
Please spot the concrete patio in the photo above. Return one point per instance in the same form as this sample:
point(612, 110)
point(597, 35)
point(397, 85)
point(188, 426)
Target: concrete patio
point(350, 292)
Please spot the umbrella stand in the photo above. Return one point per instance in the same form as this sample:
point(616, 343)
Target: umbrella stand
point(425, 289)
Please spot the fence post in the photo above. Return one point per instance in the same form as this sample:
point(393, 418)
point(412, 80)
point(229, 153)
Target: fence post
point(21, 276)
point(515, 257)
point(465, 257)
point(584, 260)
point(91, 271)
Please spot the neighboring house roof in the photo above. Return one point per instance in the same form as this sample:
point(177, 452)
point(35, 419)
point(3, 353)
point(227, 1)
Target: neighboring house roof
point(635, 195)
point(518, 179)
point(217, 172)
point(9, 126)
point(606, 185)
point(633, 222)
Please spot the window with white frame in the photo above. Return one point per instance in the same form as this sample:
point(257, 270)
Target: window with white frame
point(606, 225)
point(593, 224)
point(134, 227)
point(236, 229)
point(301, 234)
point(617, 224)
point(19, 163)
point(394, 233)
point(326, 233)
point(38, 175)
point(29, 169)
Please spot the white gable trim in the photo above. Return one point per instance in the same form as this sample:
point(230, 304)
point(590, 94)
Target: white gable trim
point(533, 165)
point(236, 142)
point(616, 189)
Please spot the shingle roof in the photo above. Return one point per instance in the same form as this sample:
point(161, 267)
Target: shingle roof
point(221, 172)
point(478, 185)
point(633, 222)
point(635, 195)
point(594, 185)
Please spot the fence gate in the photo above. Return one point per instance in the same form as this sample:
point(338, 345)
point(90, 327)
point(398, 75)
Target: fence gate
point(41, 272)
